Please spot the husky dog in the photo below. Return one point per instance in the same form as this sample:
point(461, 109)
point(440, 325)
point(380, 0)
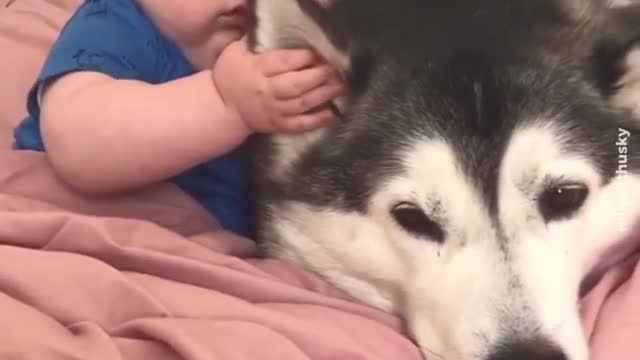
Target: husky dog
point(484, 160)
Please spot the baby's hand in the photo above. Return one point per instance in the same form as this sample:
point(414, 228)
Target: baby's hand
point(277, 91)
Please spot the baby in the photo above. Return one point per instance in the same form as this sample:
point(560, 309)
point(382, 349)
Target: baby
point(140, 91)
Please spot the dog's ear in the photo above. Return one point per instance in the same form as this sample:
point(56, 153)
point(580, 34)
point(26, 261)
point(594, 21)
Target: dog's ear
point(324, 26)
point(617, 58)
point(283, 24)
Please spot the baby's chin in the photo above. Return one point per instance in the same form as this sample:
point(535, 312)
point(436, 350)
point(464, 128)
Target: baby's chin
point(235, 19)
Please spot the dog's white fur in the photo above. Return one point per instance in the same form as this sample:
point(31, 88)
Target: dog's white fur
point(439, 288)
point(399, 271)
point(378, 263)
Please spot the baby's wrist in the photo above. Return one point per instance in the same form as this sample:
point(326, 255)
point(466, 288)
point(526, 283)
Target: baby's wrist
point(235, 116)
point(214, 109)
point(237, 121)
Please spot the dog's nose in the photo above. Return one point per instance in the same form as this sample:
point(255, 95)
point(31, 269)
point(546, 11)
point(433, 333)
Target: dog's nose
point(528, 350)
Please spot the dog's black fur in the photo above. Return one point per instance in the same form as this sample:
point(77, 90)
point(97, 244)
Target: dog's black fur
point(475, 69)
point(469, 72)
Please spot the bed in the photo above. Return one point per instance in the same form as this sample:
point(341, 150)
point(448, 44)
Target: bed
point(149, 275)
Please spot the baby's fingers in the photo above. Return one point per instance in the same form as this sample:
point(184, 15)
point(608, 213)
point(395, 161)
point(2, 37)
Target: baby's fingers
point(277, 62)
point(305, 122)
point(297, 83)
point(313, 99)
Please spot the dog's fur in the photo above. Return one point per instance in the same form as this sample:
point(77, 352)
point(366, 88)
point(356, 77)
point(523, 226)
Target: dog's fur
point(484, 160)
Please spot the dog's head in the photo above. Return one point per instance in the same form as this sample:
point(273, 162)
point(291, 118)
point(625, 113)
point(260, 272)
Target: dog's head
point(483, 161)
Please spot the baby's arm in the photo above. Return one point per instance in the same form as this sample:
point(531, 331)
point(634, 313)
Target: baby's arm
point(104, 135)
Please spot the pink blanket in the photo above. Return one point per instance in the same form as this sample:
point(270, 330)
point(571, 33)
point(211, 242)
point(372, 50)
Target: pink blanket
point(148, 275)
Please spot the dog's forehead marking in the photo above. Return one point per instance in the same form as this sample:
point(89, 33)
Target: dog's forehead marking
point(435, 180)
point(479, 100)
point(539, 150)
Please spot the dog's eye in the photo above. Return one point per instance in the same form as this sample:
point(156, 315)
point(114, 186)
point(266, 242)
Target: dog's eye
point(412, 219)
point(562, 201)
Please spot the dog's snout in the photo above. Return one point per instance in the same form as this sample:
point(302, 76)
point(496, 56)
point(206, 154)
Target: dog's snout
point(528, 350)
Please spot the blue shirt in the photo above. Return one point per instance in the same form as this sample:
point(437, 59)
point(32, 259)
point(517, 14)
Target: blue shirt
point(117, 38)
